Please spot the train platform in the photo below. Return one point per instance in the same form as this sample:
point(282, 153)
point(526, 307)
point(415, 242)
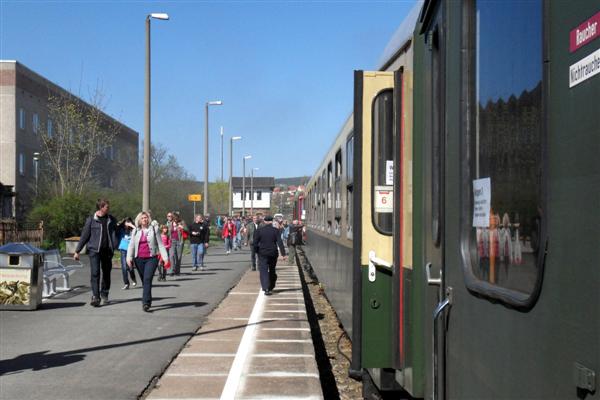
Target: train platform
point(251, 346)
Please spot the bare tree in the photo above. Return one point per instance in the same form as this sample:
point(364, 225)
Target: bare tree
point(76, 135)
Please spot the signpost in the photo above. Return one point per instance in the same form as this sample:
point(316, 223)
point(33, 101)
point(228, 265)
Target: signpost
point(194, 198)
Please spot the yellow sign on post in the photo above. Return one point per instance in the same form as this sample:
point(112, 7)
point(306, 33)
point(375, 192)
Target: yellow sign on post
point(194, 197)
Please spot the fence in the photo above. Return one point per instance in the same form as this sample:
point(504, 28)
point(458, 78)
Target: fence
point(10, 231)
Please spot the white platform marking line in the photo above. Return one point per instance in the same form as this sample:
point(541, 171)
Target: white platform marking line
point(235, 373)
point(284, 340)
point(286, 329)
point(206, 355)
point(283, 355)
point(287, 311)
point(283, 374)
point(182, 375)
point(244, 293)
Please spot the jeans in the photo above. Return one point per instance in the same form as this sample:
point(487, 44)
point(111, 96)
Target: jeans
point(146, 268)
point(100, 282)
point(198, 254)
point(266, 266)
point(125, 270)
point(228, 243)
point(175, 256)
point(238, 241)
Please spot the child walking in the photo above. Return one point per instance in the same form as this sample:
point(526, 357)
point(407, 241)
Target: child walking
point(164, 235)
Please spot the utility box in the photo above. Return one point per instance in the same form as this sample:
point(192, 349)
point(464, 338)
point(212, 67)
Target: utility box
point(21, 276)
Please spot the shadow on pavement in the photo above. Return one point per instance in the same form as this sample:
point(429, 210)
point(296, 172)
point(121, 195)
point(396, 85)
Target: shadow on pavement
point(54, 305)
point(136, 299)
point(178, 305)
point(43, 360)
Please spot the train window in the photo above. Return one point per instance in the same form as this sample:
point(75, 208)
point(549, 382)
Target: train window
point(329, 185)
point(382, 158)
point(338, 183)
point(437, 135)
point(349, 185)
point(504, 215)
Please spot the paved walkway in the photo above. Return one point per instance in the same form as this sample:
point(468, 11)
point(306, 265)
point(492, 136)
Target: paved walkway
point(251, 347)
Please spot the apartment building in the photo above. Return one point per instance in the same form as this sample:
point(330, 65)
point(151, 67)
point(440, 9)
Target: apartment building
point(257, 195)
point(24, 99)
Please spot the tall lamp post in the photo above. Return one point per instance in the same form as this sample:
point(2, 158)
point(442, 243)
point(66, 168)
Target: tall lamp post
point(36, 159)
point(222, 154)
point(146, 169)
point(208, 103)
point(244, 185)
point(231, 173)
point(252, 190)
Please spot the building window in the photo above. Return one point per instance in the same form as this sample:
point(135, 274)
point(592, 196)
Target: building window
point(21, 164)
point(35, 122)
point(21, 118)
point(258, 195)
point(50, 128)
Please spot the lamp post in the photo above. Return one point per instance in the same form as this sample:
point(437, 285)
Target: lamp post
point(222, 154)
point(231, 173)
point(244, 185)
point(252, 190)
point(36, 159)
point(208, 103)
point(146, 169)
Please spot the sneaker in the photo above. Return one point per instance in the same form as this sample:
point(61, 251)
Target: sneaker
point(268, 292)
point(134, 283)
point(195, 269)
point(228, 251)
point(146, 307)
point(104, 301)
point(95, 302)
point(125, 287)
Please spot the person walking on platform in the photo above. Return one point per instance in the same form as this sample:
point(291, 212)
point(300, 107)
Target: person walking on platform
point(198, 241)
point(100, 235)
point(266, 241)
point(124, 235)
point(251, 228)
point(176, 228)
point(166, 239)
point(144, 247)
point(228, 234)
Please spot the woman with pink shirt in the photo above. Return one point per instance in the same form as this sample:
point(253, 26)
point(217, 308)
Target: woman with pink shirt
point(144, 247)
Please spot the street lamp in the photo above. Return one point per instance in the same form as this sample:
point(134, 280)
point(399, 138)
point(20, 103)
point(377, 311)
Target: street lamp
point(231, 173)
point(36, 159)
point(146, 172)
point(208, 103)
point(222, 154)
point(244, 185)
point(252, 190)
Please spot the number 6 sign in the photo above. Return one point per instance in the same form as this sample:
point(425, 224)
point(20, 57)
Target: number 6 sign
point(384, 199)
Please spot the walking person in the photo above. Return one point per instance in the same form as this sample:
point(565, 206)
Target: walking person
point(166, 239)
point(228, 234)
point(124, 235)
point(198, 241)
point(266, 241)
point(176, 231)
point(100, 235)
point(143, 250)
point(294, 240)
point(251, 228)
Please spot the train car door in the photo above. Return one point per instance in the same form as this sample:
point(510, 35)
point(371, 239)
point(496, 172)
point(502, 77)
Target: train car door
point(373, 216)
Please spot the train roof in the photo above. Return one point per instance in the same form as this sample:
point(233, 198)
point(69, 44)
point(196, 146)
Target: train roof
point(401, 37)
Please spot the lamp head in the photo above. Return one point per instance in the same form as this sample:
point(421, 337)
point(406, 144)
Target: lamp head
point(236, 138)
point(215, 103)
point(247, 157)
point(163, 16)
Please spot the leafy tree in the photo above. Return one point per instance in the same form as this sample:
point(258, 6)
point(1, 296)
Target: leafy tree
point(76, 135)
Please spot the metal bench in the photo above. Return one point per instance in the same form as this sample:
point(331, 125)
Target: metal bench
point(57, 267)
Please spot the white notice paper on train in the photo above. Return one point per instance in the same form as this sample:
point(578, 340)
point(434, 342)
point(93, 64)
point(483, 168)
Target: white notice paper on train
point(389, 172)
point(482, 202)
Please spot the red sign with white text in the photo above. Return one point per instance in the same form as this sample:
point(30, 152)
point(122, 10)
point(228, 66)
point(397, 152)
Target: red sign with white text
point(585, 33)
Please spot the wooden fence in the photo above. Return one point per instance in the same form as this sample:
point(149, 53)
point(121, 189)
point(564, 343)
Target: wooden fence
point(10, 231)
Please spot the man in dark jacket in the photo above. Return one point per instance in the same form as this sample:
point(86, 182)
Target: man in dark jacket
point(251, 228)
point(99, 233)
point(266, 240)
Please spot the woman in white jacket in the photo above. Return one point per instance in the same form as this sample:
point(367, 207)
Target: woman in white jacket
point(143, 251)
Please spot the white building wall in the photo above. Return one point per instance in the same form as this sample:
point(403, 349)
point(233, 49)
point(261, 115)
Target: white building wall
point(264, 202)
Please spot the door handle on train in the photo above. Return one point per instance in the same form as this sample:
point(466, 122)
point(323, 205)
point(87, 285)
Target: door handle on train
point(377, 262)
point(446, 303)
point(432, 281)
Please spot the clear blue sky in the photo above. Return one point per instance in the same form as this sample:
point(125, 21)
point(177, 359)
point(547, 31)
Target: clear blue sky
point(283, 69)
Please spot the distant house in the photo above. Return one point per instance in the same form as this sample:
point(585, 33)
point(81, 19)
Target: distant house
point(258, 194)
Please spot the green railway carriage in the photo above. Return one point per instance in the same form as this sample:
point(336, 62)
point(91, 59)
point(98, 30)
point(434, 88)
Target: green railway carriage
point(454, 221)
